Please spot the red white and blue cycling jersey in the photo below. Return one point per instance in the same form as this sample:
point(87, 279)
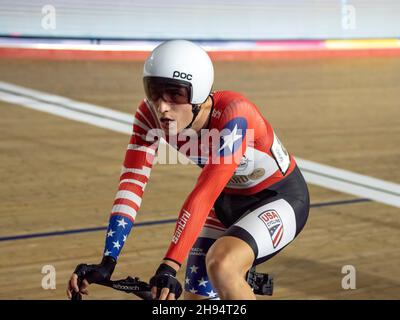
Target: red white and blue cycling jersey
point(245, 158)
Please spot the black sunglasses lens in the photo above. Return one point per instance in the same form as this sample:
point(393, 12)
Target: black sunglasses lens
point(156, 88)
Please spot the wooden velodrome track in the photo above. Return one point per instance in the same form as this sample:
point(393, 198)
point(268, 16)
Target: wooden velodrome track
point(58, 175)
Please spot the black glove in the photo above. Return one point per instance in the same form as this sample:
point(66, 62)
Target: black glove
point(96, 273)
point(165, 277)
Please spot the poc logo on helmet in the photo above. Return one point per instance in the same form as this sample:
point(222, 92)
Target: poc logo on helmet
point(182, 75)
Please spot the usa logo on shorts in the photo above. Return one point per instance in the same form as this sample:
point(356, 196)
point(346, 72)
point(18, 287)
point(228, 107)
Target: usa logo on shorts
point(274, 224)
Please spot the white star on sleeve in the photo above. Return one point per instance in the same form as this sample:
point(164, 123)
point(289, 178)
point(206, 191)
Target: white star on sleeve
point(122, 223)
point(116, 244)
point(187, 280)
point(193, 290)
point(193, 269)
point(110, 233)
point(211, 294)
point(124, 238)
point(202, 282)
point(107, 253)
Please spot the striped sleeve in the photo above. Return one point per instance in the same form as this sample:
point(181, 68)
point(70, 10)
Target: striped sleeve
point(139, 157)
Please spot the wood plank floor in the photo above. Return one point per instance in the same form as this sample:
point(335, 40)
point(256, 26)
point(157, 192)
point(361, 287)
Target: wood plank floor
point(61, 175)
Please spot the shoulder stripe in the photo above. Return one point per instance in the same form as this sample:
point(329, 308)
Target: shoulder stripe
point(140, 124)
point(145, 118)
point(153, 113)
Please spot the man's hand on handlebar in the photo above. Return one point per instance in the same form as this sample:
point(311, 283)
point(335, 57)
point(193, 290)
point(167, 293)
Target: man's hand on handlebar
point(164, 284)
point(85, 274)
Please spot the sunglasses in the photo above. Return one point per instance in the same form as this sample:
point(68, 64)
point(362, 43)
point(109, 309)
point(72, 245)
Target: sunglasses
point(169, 90)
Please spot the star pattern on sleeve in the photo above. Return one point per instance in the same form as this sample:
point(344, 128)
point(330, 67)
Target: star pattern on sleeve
point(117, 234)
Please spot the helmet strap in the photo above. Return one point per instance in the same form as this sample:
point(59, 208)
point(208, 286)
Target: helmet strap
point(195, 110)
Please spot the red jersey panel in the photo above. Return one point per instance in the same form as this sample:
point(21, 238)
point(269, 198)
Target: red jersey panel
point(239, 153)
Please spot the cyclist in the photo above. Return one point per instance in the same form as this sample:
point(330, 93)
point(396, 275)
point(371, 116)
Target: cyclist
point(250, 199)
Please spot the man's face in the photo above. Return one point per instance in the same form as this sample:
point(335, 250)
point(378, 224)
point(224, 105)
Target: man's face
point(173, 107)
point(173, 117)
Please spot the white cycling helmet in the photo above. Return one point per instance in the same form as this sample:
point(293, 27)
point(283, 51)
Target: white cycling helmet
point(183, 63)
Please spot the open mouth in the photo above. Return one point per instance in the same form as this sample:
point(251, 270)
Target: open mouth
point(164, 119)
point(166, 122)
